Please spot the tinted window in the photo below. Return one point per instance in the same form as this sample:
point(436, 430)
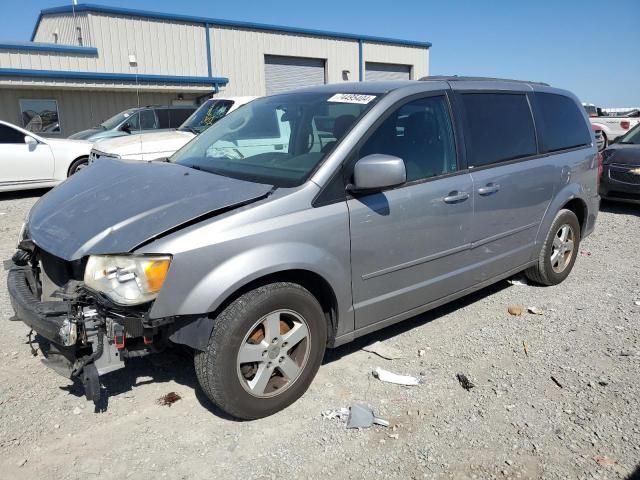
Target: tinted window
point(10, 135)
point(133, 122)
point(163, 118)
point(147, 120)
point(499, 127)
point(561, 123)
point(420, 133)
point(177, 116)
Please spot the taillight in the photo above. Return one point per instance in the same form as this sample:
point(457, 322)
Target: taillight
point(625, 124)
point(600, 159)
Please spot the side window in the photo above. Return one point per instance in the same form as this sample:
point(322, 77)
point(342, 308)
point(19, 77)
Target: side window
point(561, 122)
point(177, 116)
point(133, 122)
point(499, 127)
point(419, 132)
point(10, 135)
point(163, 118)
point(147, 120)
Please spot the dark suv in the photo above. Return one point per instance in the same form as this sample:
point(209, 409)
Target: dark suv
point(138, 120)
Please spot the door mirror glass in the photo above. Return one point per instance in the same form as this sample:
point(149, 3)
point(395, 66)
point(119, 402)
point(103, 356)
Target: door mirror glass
point(30, 141)
point(378, 171)
point(126, 128)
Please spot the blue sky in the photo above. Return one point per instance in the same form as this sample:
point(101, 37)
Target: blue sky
point(589, 47)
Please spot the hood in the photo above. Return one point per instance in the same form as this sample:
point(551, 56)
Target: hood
point(145, 143)
point(114, 206)
point(69, 142)
point(622, 154)
point(85, 134)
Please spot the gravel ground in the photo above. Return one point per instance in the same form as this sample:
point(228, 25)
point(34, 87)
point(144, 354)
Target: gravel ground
point(516, 422)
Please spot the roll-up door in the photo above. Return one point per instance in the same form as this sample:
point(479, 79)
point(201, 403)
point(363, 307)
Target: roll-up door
point(386, 71)
point(287, 73)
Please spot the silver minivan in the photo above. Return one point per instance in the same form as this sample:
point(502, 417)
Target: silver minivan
point(302, 221)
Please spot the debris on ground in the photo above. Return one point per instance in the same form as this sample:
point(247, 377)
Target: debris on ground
point(339, 413)
point(21, 463)
point(464, 381)
point(524, 345)
point(361, 416)
point(421, 352)
point(602, 460)
point(390, 377)
point(518, 281)
point(535, 310)
point(382, 350)
point(556, 381)
point(395, 436)
point(169, 399)
point(637, 303)
point(515, 310)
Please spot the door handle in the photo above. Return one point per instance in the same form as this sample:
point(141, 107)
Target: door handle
point(489, 189)
point(456, 197)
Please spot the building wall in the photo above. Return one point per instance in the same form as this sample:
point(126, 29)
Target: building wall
point(161, 47)
point(403, 55)
point(239, 55)
point(65, 25)
point(77, 109)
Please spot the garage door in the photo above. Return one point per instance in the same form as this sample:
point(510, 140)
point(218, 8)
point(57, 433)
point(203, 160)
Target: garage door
point(286, 73)
point(386, 71)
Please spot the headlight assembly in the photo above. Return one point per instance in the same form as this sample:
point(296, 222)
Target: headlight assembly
point(127, 279)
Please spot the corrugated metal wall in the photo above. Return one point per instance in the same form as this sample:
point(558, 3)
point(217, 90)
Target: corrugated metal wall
point(403, 55)
point(239, 55)
point(162, 47)
point(65, 25)
point(77, 110)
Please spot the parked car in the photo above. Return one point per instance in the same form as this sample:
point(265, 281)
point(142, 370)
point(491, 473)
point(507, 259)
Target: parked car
point(621, 169)
point(612, 127)
point(258, 257)
point(29, 161)
point(138, 120)
point(152, 146)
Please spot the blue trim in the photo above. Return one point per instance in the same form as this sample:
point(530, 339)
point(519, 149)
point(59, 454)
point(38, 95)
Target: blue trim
point(360, 42)
point(224, 23)
point(47, 47)
point(208, 40)
point(126, 77)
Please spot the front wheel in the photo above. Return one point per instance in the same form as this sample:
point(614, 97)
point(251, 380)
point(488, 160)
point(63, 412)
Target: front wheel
point(559, 250)
point(264, 350)
point(78, 164)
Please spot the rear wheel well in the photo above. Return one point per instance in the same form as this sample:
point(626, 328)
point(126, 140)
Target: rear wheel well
point(314, 283)
point(578, 207)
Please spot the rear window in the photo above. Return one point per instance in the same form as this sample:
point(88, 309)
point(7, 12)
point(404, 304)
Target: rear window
point(562, 124)
point(499, 127)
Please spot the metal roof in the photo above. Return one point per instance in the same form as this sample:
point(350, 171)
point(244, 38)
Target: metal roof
point(130, 12)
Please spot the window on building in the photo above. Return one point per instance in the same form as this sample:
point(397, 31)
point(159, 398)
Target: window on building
point(10, 135)
point(40, 116)
point(561, 123)
point(499, 127)
point(419, 132)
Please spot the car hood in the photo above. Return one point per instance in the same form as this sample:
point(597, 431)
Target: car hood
point(145, 143)
point(85, 134)
point(114, 206)
point(622, 154)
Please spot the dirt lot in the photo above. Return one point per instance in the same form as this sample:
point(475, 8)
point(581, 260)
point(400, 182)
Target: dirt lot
point(516, 423)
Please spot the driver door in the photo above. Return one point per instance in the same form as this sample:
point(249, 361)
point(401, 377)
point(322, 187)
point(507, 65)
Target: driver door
point(20, 162)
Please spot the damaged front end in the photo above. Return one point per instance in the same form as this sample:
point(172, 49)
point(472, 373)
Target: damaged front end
point(89, 334)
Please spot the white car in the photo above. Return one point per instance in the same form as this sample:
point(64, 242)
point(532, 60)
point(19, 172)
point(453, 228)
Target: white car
point(152, 146)
point(611, 127)
point(30, 161)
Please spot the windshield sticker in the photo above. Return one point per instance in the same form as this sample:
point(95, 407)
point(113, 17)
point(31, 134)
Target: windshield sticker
point(351, 98)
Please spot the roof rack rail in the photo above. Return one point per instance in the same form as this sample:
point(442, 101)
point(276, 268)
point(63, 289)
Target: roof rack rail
point(456, 78)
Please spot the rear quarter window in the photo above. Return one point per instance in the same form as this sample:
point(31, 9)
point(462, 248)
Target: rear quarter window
point(499, 127)
point(560, 122)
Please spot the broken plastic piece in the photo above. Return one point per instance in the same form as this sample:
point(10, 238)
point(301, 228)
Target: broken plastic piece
point(385, 351)
point(464, 381)
point(389, 377)
point(361, 416)
point(535, 310)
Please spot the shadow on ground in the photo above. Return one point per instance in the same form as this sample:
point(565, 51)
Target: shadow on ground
point(619, 208)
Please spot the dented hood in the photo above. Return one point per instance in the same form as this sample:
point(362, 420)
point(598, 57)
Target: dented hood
point(114, 206)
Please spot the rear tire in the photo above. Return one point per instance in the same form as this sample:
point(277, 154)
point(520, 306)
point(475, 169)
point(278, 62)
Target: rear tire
point(249, 370)
point(78, 164)
point(559, 250)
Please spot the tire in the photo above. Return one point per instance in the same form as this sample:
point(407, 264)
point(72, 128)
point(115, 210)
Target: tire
point(242, 328)
point(78, 164)
point(552, 270)
point(606, 141)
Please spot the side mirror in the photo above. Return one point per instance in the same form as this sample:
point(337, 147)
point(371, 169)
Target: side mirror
point(126, 128)
point(378, 171)
point(31, 142)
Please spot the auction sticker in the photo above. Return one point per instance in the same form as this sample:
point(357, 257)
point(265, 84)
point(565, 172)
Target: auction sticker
point(351, 98)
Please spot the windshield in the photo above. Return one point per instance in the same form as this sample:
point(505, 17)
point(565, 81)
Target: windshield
point(277, 140)
point(206, 115)
point(632, 136)
point(116, 120)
